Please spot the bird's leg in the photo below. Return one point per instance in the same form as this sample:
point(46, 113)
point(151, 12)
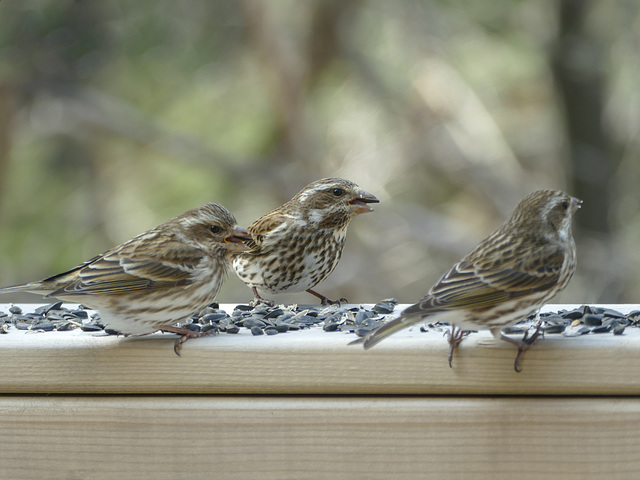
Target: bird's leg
point(455, 336)
point(325, 300)
point(185, 334)
point(524, 344)
point(257, 299)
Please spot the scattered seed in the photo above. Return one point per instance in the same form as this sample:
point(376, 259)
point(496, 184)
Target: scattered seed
point(209, 327)
point(573, 314)
point(244, 308)
point(383, 307)
point(271, 330)
point(576, 331)
point(551, 329)
point(619, 330)
point(254, 322)
point(608, 312)
point(91, 327)
point(233, 329)
point(592, 320)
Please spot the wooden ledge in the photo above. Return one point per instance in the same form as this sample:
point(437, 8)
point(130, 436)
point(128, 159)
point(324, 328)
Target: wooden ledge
point(317, 362)
point(318, 438)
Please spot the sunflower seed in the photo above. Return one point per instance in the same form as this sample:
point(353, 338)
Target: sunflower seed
point(592, 320)
point(619, 330)
point(91, 327)
point(256, 331)
point(383, 307)
point(271, 330)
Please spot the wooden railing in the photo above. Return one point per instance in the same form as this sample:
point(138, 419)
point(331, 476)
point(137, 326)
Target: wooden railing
point(303, 405)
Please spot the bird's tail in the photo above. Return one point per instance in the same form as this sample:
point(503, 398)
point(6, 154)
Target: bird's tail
point(25, 287)
point(382, 332)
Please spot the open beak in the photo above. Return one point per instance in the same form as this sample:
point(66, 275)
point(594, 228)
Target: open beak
point(575, 205)
point(236, 242)
point(360, 203)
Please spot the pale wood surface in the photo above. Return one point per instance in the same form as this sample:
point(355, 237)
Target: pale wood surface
point(337, 438)
point(317, 362)
point(422, 436)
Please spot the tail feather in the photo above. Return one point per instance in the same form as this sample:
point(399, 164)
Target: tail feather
point(409, 316)
point(383, 331)
point(387, 329)
point(26, 287)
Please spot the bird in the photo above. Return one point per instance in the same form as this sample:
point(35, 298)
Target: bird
point(507, 277)
point(156, 279)
point(299, 244)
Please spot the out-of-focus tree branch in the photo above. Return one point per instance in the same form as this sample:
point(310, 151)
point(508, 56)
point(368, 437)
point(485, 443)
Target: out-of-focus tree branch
point(7, 112)
point(578, 60)
point(282, 66)
point(578, 63)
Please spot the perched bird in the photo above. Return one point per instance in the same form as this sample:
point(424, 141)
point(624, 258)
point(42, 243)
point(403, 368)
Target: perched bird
point(299, 244)
point(507, 277)
point(156, 279)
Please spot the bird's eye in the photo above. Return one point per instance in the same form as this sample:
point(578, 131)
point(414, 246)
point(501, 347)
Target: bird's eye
point(215, 228)
point(338, 192)
point(565, 205)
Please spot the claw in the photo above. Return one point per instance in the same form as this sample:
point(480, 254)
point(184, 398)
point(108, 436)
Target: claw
point(257, 299)
point(524, 344)
point(185, 334)
point(326, 300)
point(455, 337)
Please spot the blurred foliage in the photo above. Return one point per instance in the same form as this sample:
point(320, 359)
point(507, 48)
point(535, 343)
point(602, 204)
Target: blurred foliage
point(115, 116)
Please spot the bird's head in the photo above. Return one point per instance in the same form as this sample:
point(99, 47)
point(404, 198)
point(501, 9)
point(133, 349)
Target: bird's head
point(548, 212)
point(331, 201)
point(213, 226)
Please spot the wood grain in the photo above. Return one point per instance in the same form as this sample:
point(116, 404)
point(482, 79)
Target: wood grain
point(328, 438)
point(316, 362)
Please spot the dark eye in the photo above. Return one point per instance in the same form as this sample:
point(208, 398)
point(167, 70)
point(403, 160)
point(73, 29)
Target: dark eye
point(215, 229)
point(338, 192)
point(565, 205)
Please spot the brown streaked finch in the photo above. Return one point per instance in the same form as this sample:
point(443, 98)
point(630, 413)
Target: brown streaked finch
point(507, 277)
point(299, 244)
point(156, 279)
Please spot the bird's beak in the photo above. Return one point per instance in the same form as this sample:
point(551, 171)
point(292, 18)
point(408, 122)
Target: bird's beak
point(237, 241)
point(575, 205)
point(359, 204)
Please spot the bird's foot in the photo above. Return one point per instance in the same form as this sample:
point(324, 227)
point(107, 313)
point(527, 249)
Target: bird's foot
point(258, 300)
point(455, 336)
point(326, 300)
point(262, 301)
point(185, 334)
point(524, 344)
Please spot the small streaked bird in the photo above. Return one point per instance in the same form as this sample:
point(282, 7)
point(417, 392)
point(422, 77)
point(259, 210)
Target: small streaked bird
point(507, 277)
point(156, 279)
point(299, 244)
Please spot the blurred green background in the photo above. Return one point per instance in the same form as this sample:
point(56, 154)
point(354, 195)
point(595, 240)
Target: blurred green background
point(116, 116)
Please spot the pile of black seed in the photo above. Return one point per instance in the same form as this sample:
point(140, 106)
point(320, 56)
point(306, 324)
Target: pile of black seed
point(259, 320)
point(265, 320)
point(570, 323)
point(586, 319)
point(46, 318)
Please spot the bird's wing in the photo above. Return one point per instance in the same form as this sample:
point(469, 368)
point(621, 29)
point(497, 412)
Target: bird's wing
point(262, 227)
point(483, 283)
point(477, 283)
point(125, 270)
